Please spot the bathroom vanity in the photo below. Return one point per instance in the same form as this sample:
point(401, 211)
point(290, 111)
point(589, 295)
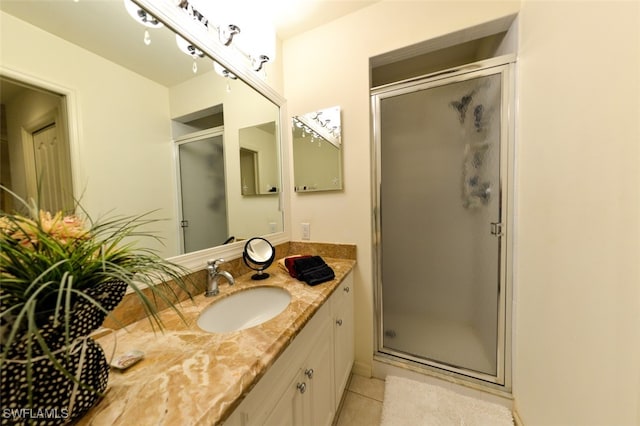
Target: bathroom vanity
point(305, 385)
point(291, 369)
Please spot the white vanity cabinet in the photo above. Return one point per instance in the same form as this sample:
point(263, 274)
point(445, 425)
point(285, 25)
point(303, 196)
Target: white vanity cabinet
point(308, 398)
point(305, 384)
point(343, 322)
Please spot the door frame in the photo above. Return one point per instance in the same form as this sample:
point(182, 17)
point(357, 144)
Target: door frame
point(66, 118)
point(504, 65)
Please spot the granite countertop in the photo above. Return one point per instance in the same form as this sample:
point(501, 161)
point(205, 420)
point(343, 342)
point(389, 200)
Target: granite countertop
point(189, 376)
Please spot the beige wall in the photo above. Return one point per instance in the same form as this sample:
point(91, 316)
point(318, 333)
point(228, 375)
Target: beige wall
point(577, 283)
point(578, 187)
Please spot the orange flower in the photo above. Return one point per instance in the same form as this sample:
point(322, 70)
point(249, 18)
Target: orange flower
point(64, 229)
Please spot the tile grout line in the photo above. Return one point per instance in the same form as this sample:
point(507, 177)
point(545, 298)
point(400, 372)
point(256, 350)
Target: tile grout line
point(366, 396)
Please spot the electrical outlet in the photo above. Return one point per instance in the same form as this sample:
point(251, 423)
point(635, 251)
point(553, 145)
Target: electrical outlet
point(306, 231)
point(273, 227)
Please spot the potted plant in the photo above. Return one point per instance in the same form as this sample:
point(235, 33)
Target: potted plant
point(60, 275)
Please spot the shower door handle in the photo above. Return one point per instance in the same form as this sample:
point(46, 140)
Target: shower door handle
point(496, 229)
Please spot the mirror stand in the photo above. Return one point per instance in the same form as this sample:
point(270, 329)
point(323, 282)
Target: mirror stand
point(258, 255)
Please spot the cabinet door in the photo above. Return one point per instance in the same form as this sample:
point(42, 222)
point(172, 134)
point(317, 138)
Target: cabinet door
point(288, 410)
point(318, 401)
point(343, 334)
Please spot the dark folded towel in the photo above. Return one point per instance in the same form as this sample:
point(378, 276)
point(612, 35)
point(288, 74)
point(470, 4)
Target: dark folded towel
point(313, 270)
point(305, 262)
point(318, 275)
point(289, 264)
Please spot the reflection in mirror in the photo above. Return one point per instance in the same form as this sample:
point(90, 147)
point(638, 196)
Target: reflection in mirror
point(130, 104)
point(43, 155)
point(317, 151)
point(259, 159)
point(202, 190)
point(258, 255)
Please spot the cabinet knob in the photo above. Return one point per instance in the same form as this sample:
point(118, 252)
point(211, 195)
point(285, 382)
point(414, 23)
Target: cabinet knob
point(347, 289)
point(339, 322)
point(309, 373)
point(302, 387)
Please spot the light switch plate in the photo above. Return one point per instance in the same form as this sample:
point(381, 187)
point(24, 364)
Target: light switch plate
point(306, 231)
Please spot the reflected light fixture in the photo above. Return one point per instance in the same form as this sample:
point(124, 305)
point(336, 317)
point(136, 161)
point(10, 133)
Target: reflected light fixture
point(191, 50)
point(223, 71)
point(321, 125)
point(142, 17)
point(220, 70)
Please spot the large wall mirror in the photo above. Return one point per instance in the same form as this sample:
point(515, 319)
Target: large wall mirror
point(148, 127)
point(317, 150)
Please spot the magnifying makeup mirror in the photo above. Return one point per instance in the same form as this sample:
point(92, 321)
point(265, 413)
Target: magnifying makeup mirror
point(258, 255)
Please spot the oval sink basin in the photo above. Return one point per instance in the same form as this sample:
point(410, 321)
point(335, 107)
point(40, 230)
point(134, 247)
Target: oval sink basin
point(244, 309)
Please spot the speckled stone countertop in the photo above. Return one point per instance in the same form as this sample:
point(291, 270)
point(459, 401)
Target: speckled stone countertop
point(192, 377)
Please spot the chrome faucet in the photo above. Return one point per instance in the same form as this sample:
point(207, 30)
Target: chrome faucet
point(214, 275)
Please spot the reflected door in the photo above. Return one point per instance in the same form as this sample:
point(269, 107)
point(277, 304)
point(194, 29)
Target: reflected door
point(439, 149)
point(202, 192)
point(52, 170)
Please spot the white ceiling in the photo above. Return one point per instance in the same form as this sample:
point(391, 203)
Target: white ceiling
point(293, 17)
point(104, 27)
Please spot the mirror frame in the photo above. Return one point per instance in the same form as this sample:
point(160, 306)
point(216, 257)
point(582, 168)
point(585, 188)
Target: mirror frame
point(171, 16)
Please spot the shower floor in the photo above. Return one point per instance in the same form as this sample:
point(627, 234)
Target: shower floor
point(453, 343)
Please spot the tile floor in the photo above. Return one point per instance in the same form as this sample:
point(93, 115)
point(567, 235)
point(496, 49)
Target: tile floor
point(362, 404)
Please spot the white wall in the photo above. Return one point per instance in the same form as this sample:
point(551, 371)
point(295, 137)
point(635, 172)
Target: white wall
point(577, 283)
point(340, 52)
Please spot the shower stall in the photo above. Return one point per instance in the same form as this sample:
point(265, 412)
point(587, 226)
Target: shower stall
point(442, 164)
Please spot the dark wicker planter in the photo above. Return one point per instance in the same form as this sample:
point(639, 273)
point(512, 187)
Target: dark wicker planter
point(55, 398)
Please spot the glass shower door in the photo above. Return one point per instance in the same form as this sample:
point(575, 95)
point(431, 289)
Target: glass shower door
point(439, 148)
point(202, 192)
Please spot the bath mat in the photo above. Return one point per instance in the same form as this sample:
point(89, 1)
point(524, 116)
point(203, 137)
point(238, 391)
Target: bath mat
point(411, 403)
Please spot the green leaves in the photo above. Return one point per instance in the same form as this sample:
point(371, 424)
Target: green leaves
point(48, 262)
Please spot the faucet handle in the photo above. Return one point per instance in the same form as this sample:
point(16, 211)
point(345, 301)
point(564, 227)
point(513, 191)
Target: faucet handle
point(213, 263)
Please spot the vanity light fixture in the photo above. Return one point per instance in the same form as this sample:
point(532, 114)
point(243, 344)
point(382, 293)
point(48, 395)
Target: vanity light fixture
point(192, 12)
point(227, 32)
point(257, 63)
point(248, 32)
